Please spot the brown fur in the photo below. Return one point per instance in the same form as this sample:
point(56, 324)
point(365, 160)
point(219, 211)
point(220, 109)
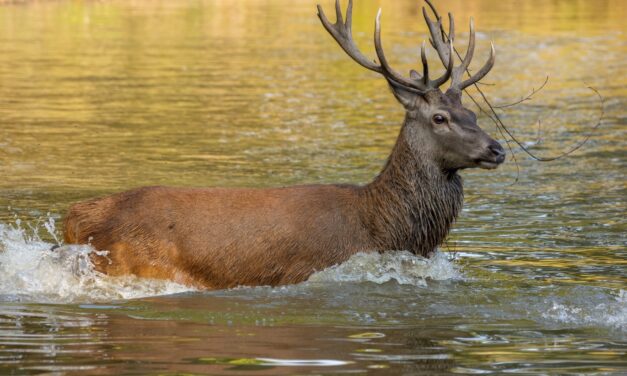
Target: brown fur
point(218, 238)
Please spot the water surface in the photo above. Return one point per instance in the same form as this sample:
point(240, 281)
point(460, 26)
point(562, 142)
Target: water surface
point(100, 97)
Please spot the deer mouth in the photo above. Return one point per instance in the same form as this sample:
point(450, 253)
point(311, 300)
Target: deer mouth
point(488, 165)
point(492, 160)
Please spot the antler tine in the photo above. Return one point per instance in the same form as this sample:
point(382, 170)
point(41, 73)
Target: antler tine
point(341, 32)
point(458, 72)
point(437, 17)
point(482, 72)
point(338, 13)
point(471, 46)
point(437, 40)
point(384, 63)
point(435, 11)
point(451, 26)
point(425, 66)
point(449, 68)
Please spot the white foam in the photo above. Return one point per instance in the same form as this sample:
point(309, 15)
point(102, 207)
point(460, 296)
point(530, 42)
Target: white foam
point(612, 313)
point(401, 266)
point(31, 272)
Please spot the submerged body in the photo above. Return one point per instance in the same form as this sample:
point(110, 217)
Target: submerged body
point(219, 238)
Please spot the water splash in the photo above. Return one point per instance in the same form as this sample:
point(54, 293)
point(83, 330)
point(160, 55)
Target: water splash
point(612, 312)
point(31, 272)
point(401, 266)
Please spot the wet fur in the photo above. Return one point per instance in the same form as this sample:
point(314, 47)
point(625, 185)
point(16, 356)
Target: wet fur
point(218, 238)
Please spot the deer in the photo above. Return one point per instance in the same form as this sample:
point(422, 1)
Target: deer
point(216, 238)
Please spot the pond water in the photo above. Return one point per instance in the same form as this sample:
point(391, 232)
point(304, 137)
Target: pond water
point(100, 97)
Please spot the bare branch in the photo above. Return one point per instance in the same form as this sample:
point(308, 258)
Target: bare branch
point(526, 98)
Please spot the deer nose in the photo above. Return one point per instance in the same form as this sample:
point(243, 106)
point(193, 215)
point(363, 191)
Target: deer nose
point(498, 151)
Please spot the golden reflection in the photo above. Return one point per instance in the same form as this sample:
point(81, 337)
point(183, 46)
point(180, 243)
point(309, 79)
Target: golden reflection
point(115, 94)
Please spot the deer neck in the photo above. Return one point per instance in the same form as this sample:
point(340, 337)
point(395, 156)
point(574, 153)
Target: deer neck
point(412, 204)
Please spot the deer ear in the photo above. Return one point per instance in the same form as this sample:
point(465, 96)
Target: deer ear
point(405, 96)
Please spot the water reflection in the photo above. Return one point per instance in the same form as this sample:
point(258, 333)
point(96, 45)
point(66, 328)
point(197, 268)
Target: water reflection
point(221, 334)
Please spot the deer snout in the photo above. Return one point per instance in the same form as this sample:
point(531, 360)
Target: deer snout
point(498, 151)
point(493, 156)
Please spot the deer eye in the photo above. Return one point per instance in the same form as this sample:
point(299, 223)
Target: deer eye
point(439, 119)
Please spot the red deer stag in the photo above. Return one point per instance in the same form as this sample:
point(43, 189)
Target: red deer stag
point(220, 238)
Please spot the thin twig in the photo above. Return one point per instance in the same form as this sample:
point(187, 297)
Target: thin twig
point(527, 98)
point(567, 152)
point(498, 128)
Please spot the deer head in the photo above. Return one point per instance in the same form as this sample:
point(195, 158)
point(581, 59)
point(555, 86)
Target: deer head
point(438, 124)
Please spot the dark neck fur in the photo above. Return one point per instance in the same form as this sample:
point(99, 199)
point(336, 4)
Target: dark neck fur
point(412, 204)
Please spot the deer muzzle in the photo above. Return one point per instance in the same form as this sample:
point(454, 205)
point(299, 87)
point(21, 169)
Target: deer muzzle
point(492, 157)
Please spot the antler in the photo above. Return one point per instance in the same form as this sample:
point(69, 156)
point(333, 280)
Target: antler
point(437, 41)
point(341, 32)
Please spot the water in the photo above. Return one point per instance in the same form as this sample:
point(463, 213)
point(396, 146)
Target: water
point(104, 96)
